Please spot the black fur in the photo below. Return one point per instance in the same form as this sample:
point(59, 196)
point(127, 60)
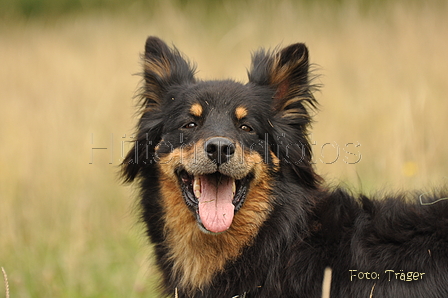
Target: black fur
point(310, 226)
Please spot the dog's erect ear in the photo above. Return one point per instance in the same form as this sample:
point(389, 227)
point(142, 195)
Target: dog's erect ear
point(163, 67)
point(285, 74)
point(286, 71)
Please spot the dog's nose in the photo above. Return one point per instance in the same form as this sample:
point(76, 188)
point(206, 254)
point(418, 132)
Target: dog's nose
point(219, 149)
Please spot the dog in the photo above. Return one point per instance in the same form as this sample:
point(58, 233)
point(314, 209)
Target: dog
point(234, 207)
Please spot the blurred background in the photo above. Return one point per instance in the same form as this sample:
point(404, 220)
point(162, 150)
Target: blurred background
point(68, 228)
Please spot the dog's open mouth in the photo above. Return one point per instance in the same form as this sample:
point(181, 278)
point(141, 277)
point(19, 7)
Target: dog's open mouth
point(214, 198)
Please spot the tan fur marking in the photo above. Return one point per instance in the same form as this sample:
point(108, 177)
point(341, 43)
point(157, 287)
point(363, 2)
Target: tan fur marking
point(291, 101)
point(152, 90)
point(240, 113)
point(275, 161)
point(294, 113)
point(196, 110)
point(161, 68)
point(279, 73)
point(279, 77)
point(197, 256)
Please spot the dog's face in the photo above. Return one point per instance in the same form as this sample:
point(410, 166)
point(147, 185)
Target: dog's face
point(218, 142)
point(213, 146)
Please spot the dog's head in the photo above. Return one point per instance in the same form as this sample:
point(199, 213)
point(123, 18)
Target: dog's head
point(216, 142)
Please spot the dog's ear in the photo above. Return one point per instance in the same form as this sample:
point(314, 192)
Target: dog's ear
point(287, 73)
point(163, 67)
point(285, 77)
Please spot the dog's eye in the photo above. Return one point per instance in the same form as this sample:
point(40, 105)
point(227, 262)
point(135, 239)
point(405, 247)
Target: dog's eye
point(245, 128)
point(190, 125)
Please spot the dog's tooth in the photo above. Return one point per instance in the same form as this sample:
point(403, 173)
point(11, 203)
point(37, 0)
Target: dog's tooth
point(233, 187)
point(197, 187)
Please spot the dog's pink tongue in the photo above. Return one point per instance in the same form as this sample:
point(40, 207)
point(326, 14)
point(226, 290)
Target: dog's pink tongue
point(215, 203)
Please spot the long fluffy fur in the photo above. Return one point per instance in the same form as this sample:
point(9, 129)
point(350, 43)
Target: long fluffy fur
point(290, 226)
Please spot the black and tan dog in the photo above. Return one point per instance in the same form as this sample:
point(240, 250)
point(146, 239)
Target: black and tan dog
point(235, 209)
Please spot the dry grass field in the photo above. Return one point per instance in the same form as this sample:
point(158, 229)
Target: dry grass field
point(67, 226)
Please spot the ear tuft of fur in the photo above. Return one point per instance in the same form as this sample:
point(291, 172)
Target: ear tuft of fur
point(163, 67)
point(286, 71)
point(290, 71)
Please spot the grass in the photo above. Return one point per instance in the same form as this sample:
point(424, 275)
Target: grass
point(69, 228)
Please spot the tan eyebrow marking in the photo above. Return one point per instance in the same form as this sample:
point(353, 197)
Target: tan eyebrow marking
point(240, 112)
point(196, 110)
